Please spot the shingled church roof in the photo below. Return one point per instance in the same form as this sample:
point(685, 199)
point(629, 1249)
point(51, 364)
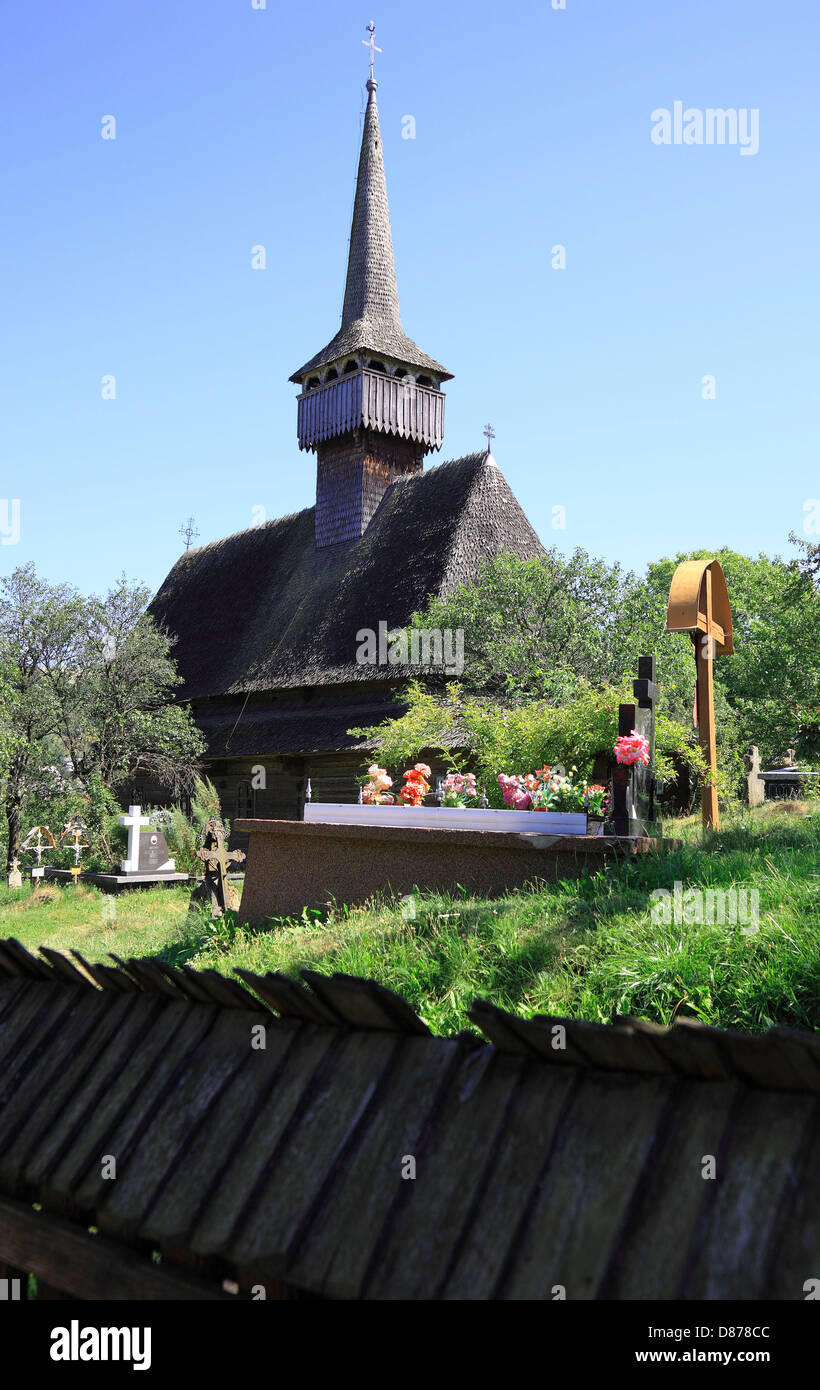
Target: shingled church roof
point(265, 610)
point(370, 315)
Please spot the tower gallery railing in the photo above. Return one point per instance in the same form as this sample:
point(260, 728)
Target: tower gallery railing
point(371, 400)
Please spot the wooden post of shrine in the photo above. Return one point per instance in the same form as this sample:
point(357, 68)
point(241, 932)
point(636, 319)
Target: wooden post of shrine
point(704, 660)
point(699, 605)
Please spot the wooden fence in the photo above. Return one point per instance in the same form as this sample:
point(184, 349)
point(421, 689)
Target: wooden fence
point(281, 1139)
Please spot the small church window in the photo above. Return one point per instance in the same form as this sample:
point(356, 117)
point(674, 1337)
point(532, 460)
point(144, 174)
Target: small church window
point(245, 799)
point(351, 367)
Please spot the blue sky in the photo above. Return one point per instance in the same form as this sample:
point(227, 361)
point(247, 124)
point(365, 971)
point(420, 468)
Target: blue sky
point(238, 127)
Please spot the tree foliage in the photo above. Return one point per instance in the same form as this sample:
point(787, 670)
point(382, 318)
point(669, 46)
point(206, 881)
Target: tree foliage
point(553, 634)
point(87, 689)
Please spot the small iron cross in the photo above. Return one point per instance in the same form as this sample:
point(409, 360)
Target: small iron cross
point(369, 43)
point(189, 532)
point(490, 433)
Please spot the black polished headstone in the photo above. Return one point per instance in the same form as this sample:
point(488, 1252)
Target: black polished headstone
point(154, 855)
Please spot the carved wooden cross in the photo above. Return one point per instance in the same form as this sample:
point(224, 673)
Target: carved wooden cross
point(217, 860)
point(699, 605)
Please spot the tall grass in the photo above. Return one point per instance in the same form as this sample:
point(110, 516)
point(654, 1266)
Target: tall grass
point(585, 949)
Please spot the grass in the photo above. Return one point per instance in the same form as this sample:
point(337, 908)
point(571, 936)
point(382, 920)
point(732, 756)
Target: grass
point(582, 949)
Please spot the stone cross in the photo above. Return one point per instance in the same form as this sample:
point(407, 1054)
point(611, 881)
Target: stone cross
point(15, 877)
point(755, 789)
point(134, 821)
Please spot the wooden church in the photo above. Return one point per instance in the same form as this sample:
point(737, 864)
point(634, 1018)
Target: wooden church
point(266, 621)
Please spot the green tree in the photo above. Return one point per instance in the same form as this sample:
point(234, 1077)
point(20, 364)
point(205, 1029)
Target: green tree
point(41, 628)
point(553, 628)
point(536, 627)
point(768, 691)
point(127, 723)
point(88, 684)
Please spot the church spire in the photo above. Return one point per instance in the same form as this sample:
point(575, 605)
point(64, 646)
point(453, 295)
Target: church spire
point(371, 295)
point(371, 403)
point(371, 323)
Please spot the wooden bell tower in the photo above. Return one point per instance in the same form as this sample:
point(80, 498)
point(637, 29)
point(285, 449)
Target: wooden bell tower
point(370, 404)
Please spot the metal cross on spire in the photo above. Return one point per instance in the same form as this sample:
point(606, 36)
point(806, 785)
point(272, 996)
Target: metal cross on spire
point(370, 43)
point(490, 433)
point(189, 532)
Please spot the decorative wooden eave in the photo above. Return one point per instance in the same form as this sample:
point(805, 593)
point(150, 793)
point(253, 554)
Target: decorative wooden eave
point(367, 399)
point(687, 603)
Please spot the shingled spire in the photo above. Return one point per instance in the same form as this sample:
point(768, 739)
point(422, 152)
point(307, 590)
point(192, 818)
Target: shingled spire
point(371, 404)
point(370, 289)
point(371, 321)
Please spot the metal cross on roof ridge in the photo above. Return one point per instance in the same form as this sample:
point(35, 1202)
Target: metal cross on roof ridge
point(189, 532)
point(370, 43)
point(490, 433)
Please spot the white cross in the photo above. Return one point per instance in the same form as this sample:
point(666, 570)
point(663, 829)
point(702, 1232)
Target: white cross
point(369, 43)
point(134, 821)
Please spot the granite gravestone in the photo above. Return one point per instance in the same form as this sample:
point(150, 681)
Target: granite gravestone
point(153, 853)
point(147, 848)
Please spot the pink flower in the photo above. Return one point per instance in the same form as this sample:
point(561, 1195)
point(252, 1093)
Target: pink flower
point(515, 796)
point(632, 748)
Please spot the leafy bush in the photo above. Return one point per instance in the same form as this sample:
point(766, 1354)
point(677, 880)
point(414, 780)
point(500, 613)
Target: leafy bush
point(520, 737)
point(184, 835)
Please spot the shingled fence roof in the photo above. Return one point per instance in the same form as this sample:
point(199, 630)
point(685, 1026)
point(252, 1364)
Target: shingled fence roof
point(536, 1165)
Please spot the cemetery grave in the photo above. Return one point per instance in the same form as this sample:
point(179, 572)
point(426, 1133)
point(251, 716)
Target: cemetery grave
point(347, 853)
point(146, 864)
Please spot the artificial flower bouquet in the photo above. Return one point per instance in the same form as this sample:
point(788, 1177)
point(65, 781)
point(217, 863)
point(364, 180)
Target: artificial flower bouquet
point(415, 786)
point(597, 801)
point(458, 788)
point(376, 792)
point(631, 748)
point(552, 789)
